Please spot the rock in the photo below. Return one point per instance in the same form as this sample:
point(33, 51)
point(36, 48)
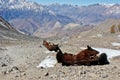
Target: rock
point(47, 74)
point(53, 76)
point(3, 65)
point(23, 74)
point(115, 28)
point(14, 69)
point(83, 72)
point(16, 76)
point(4, 72)
point(104, 75)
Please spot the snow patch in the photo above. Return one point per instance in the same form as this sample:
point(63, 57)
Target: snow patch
point(98, 35)
point(48, 52)
point(51, 12)
point(116, 44)
point(110, 52)
point(119, 36)
point(49, 61)
point(20, 31)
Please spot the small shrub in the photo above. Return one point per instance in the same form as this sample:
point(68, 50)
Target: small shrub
point(112, 29)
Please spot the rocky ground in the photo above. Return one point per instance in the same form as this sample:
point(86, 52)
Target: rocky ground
point(18, 61)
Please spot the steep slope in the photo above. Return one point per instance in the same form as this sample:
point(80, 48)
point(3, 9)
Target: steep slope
point(7, 32)
point(28, 26)
point(102, 29)
point(105, 27)
point(5, 25)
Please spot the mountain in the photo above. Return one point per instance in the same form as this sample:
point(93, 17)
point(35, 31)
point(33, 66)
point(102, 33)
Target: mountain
point(36, 19)
point(29, 17)
point(59, 31)
point(104, 29)
point(5, 25)
point(90, 14)
point(8, 32)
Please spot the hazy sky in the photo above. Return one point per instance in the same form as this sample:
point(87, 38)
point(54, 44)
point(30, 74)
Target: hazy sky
point(77, 2)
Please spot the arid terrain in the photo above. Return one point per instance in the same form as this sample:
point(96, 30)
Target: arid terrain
point(21, 55)
point(19, 58)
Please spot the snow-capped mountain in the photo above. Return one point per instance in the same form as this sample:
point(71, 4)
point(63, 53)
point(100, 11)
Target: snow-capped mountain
point(114, 9)
point(88, 14)
point(20, 4)
point(29, 16)
point(32, 17)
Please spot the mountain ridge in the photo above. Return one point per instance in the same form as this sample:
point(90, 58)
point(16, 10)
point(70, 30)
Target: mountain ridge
point(30, 17)
point(9, 33)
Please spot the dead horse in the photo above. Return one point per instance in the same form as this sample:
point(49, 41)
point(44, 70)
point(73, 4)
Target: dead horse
point(85, 57)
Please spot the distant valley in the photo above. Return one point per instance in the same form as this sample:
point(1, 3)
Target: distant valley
point(55, 19)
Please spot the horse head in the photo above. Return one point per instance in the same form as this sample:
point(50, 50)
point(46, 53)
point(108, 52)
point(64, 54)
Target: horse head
point(92, 53)
point(51, 46)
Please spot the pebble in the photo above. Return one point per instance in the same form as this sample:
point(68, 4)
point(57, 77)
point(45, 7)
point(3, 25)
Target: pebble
point(104, 75)
point(3, 65)
point(47, 74)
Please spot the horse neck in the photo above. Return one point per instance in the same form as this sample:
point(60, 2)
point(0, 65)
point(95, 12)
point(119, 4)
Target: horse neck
point(45, 44)
point(59, 56)
point(59, 52)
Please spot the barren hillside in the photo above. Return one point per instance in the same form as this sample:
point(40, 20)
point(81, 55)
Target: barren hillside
point(20, 55)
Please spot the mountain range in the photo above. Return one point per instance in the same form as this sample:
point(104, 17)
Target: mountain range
point(36, 19)
point(9, 33)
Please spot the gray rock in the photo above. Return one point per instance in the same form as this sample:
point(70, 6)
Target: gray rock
point(104, 75)
point(3, 65)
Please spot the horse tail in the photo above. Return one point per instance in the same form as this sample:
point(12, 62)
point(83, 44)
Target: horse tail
point(103, 59)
